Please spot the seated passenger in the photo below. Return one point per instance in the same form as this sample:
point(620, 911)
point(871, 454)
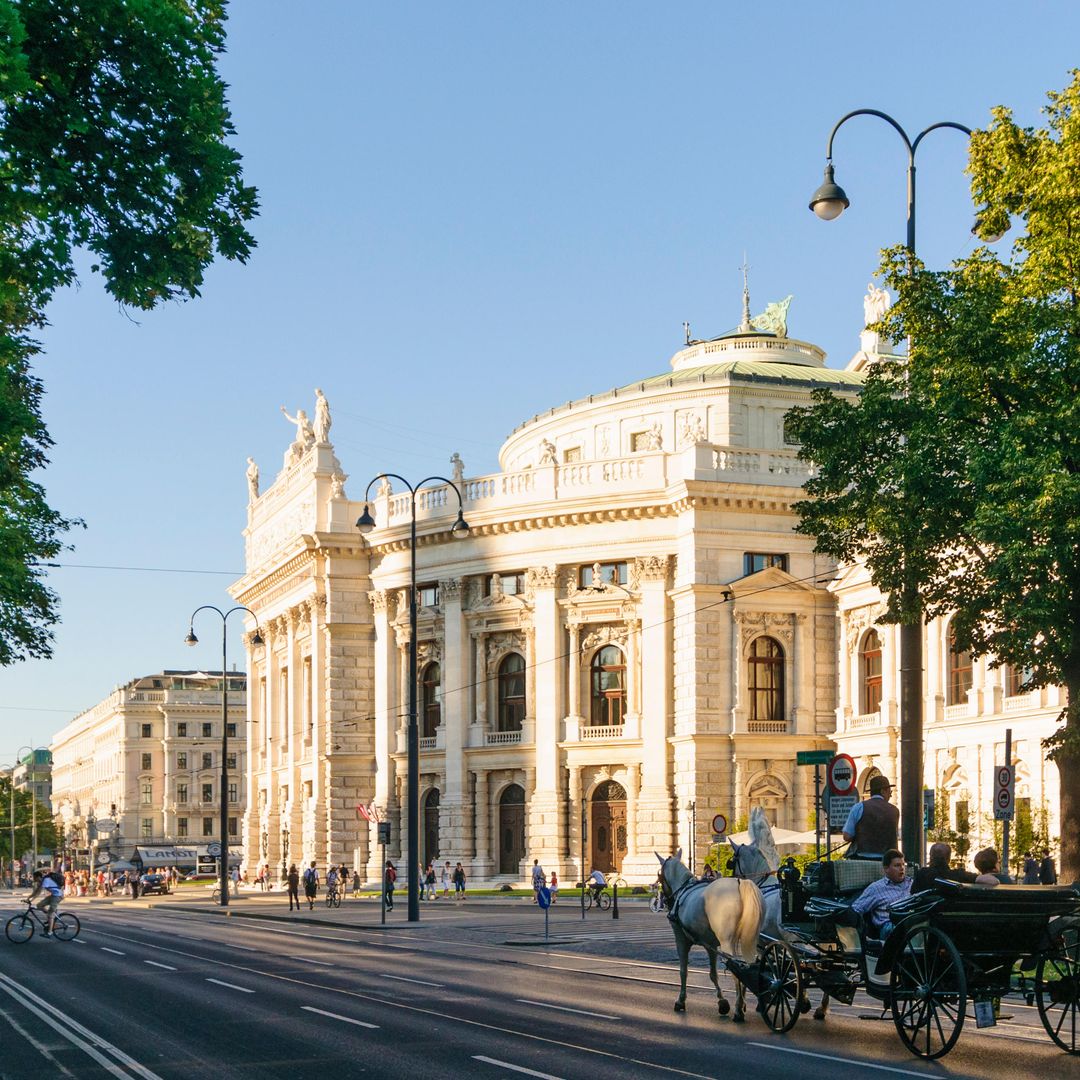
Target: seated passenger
point(988, 863)
point(938, 867)
point(875, 900)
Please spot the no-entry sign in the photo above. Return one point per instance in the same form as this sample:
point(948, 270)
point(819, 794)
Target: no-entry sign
point(841, 775)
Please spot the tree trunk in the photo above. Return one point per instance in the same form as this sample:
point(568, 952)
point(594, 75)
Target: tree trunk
point(1067, 760)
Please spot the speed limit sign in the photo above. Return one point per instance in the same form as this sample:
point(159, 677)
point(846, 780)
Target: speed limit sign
point(1004, 803)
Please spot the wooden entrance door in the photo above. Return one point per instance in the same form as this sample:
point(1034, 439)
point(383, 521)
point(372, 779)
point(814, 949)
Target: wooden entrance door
point(608, 828)
point(511, 829)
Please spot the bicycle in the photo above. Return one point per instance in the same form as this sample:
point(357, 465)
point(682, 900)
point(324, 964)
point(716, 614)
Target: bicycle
point(333, 897)
point(20, 928)
point(600, 898)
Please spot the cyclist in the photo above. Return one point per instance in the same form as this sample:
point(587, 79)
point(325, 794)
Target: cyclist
point(332, 880)
point(48, 889)
point(596, 883)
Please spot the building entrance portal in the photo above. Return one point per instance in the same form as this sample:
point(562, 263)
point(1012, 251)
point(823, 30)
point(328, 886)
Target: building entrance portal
point(511, 829)
point(608, 830)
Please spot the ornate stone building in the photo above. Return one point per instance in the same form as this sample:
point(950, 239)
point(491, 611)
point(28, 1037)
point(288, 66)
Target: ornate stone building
point(630, 639)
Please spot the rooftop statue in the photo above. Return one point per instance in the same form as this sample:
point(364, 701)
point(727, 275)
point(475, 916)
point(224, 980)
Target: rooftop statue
point(253, 480)
point(773, 320)
point(305, 436)
point(322, 419)
point(458, 467)
point(875, 304)
point(547, 452)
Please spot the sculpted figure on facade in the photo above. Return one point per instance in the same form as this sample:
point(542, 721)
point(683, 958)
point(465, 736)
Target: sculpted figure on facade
point(603, 441)
point(457, 468)
point(305, 436)
point(651, 568)
point(252, 480)
point(875, 304)
point(540, 577)
point(773, 320)
point(604, 635)
point(337, 485)
point(693, 430)
point(384, 490)
point(547, 452)
point(322, 419)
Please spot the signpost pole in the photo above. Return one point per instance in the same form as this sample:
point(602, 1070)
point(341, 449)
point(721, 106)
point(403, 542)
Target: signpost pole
point(1008, 821)
point(583, 823)
point(817, 812)
point(382, 881)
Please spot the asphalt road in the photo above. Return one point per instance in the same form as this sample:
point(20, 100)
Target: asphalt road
point(176, 990)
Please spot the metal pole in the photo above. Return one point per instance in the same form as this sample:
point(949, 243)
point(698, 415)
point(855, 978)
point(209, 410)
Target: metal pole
point(11, 822)
point(382, 884)
point(224, 874)
point(1008, 821)
point(583, 824)
point(817, 812)
point(413, 736)
point(693, 835)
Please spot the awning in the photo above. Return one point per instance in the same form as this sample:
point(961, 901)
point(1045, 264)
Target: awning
point(166, 856)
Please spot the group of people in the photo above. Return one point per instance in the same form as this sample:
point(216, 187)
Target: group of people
point(540, 881)
point(429, 878)
point(336, 880)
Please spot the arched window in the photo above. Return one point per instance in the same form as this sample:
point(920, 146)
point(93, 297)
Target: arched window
point(959, 672)
point(766, 679)
point(870, 670)
point(511, 692)
point(608, 687)
point(431, 694)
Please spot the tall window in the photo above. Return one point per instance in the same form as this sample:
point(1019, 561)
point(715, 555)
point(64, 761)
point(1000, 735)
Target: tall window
point(431, 692)
point(870, 668)
point(208, 793)
point(233, 831)
point(766, 679)
point(959, 672)
point(230, 730)
point(181, 760)
point(230, 761)
point(181, 731)
point(208, 826)
point(1016, 678)
point(147, 731)
point(207, 730)
point(181, 826)
point(208, 761)
point(234, 793)
point(308, 712)
point(181, 793)
point(511, 692)
point(147, 793)
point(146, 828)
point(146, 761)
point(608, 687)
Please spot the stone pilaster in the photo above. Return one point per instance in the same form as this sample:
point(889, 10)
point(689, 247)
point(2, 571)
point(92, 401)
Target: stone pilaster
point(456, 676)
point(482, 862)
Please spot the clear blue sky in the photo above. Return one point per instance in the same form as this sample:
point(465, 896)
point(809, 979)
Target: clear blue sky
point(472, 212)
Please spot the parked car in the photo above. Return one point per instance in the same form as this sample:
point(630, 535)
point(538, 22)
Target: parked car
point(201, 876)
point(153, 883)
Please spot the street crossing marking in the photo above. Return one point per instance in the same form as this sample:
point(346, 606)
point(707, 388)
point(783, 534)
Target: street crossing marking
point(232, 986)
point(514, 1068)
point(566, 1008)
point(419, 982)
point(338, 1016)
point(154, 963)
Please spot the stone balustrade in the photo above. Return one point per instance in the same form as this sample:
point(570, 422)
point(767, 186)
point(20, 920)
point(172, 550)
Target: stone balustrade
point(602, 732)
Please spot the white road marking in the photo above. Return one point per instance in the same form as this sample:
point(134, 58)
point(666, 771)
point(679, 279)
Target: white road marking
point(78, 941)
point(115, 952)
point(154, 963)
point(308, 960)
point(419, 982)
point(833, 1057)
point(514, 1068)
point(566, 1008)
point(338, 1016)
point(232, 986)
point(245, 948)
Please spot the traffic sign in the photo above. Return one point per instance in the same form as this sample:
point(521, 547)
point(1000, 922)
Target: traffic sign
point(814, 757)
point(543, 897)
point(719, 824)
point(214, 850)
point(841, 775)
point(838, 807)
point(1004, 786)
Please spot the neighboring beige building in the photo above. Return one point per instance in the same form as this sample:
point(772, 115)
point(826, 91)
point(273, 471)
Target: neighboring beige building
point(632, 634)
point(148, 757)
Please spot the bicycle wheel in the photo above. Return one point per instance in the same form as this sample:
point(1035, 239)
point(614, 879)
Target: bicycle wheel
point(588, 901)
point(605, 901)
point(20, 928)
point(337, 899)
point(66, 927)
point(330, 899)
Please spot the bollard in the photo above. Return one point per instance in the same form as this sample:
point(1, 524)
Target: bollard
point(615, 900)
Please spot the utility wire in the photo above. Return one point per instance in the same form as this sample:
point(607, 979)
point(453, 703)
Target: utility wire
point(143, 569)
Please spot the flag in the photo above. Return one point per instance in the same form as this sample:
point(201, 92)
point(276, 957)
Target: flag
point(369, 812)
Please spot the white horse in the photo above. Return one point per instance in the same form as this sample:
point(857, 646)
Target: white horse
point(721, 915)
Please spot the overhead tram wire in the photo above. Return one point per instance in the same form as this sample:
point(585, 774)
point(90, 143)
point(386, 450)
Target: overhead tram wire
point(816, 578)
point(141, 569)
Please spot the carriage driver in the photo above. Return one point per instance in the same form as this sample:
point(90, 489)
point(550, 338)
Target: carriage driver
point(871, 825)
point(876, 899)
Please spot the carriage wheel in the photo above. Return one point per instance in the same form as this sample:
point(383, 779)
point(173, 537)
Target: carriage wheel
point(928, 993)
point(1057, 992)
point(782, 986)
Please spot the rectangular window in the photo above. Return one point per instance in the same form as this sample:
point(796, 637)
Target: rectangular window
point(181, 793)
point(308, 712)
point(233, 831)
point(207, 793)
point(610, 573)
point(181, 760)
point(208, 826)
point(428, 595)
point(753, 561)
point(230, 761)
point(207, 730)
point(147, 731)
point(147, 793)
point(147, 761)
point(571, 455)
point(208, 761)
point(181, 731)
point(181, 826)
point(146, 828)
point(234, 793)
point(230, 730)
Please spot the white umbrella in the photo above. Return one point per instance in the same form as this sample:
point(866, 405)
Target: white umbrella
point(781, 837)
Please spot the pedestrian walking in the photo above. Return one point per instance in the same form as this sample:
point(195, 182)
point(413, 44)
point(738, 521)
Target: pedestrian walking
point(538, 880)
point(235, 878)
point(429, 880)
point(356, 884)
point(1031, 869)
point(389, 877)
point(459, 882)
point(1047, 869)
point(311, 884)
point(553, 886)
point(293, 883)
point(444, 879)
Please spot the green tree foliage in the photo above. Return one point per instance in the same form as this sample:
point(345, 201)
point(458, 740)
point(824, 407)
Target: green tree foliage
point(113, 140)
point(47, 834)
point(958, 469)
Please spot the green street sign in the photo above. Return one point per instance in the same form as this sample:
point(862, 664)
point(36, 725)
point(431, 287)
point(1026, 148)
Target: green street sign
point(814, 757)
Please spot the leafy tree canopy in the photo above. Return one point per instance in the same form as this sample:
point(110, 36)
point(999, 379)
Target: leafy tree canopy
point(113, 139)
point(956, 474)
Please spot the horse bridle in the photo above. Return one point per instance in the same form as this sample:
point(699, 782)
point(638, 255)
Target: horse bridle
point(758, 879)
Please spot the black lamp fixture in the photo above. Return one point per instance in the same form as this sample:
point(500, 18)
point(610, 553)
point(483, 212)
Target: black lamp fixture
point(830, 200)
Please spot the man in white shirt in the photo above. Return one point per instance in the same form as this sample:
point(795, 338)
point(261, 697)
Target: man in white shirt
point(596, 883)
point(48, 889)
point(875, 900)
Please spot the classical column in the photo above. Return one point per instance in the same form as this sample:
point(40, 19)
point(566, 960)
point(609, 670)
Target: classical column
point(384, 725)
point(482, 863)
point(573, 809)
point(633, 782)
point(456, 675)
point(480, 682)
point(573, 706)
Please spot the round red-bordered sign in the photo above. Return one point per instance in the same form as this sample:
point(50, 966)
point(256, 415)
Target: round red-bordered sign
point(841, 774)
point(719, 824)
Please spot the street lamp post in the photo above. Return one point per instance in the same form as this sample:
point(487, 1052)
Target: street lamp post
point(829, 202)
point(459, 530)
point(31, 773)
point(191, 639)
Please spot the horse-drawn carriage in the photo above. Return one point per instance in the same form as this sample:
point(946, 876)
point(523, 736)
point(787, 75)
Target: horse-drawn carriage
point(950, 946)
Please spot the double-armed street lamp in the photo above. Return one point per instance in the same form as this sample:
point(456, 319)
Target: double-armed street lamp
point(257, 640)
point(459, 530)
point(829, 202)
